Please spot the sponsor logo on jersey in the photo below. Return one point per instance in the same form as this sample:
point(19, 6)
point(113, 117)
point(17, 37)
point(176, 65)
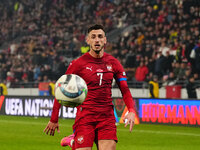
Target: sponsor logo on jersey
point(80, 139)
point(99, 70)
point(89, 68)
point(109, 67)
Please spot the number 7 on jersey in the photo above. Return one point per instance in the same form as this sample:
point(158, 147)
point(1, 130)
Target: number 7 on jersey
point(101, 77)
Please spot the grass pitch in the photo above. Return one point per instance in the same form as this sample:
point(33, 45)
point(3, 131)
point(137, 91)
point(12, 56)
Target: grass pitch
point(26, 133)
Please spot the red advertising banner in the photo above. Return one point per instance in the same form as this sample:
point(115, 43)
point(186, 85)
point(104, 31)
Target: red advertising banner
point(168, 111)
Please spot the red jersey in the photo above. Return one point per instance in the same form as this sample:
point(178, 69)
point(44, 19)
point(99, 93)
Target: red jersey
point(98, 73)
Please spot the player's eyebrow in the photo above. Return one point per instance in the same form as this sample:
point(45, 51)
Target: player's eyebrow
point(99, 35)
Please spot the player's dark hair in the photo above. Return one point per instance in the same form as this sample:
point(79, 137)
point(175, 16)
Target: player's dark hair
point(95, 27)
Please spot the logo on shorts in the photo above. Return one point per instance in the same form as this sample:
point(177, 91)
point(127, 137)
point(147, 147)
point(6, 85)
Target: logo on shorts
point(80, 139)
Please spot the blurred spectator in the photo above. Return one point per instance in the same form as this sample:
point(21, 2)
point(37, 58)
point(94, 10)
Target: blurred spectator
point(196, 77)
point(149, 77)
point(195, 54)
point(141, 72)
point(130, 60)
point(154, 87)
point(159, 66)
point(191, 88)
point(51, 88)
point(176, 68)
point(3, 88)
point(164, 49)
point(188, 73)
point(10, 80)
point(151, 65)
point(148, 52)
point(46, 79)
point(171, 80)
point(36, 72)
point(181, 75)
point(167, 63)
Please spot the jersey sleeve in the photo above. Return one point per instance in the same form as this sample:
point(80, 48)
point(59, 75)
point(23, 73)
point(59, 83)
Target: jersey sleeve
point(55, 111)
point(73, 68)
point(121, 79)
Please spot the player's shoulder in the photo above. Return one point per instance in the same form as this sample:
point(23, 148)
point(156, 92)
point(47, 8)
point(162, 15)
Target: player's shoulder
point(79, 60)
point(111, 58)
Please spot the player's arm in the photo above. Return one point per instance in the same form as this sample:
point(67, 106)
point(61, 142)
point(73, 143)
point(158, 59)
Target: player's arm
point(53, 125)
point(126, 94)
point(73, 67)
point(121, 79)
point(56, 105)
point(127, 97)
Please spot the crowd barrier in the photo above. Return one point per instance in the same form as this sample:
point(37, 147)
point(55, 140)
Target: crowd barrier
point(154, 111)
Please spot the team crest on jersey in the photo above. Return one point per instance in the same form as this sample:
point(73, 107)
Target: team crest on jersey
point(109, 67)
point(80, 139)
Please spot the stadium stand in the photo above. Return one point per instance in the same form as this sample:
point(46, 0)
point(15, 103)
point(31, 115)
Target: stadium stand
point(39, 38)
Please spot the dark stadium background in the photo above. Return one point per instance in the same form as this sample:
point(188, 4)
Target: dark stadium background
point(39, 38)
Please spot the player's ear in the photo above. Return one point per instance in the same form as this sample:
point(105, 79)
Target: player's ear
point(87, 40)
point(105, 41)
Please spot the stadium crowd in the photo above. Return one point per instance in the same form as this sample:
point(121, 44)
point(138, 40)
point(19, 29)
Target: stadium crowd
point(39, 38)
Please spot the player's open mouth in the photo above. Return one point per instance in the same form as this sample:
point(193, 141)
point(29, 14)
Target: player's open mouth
point(97, 45)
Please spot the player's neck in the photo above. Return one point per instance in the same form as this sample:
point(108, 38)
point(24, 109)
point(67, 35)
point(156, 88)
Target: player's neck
point(95, 55)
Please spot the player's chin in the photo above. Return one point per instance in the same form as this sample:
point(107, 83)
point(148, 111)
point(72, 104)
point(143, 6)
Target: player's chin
point(97, 50)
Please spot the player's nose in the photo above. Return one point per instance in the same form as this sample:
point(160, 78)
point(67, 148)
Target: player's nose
point(97, 41)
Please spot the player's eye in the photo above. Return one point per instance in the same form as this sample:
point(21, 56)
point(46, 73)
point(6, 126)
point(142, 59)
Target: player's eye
point(100, 36)
point(93, 36)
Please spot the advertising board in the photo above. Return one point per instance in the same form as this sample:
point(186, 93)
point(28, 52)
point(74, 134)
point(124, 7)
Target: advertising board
point(37, 106)
point(157, 111)
point(169, 111)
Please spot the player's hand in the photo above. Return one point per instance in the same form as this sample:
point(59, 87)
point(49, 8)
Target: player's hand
point(51, 127)
point(129, 119)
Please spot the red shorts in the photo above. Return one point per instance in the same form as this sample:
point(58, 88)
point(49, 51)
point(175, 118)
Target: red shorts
point(91, 126)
